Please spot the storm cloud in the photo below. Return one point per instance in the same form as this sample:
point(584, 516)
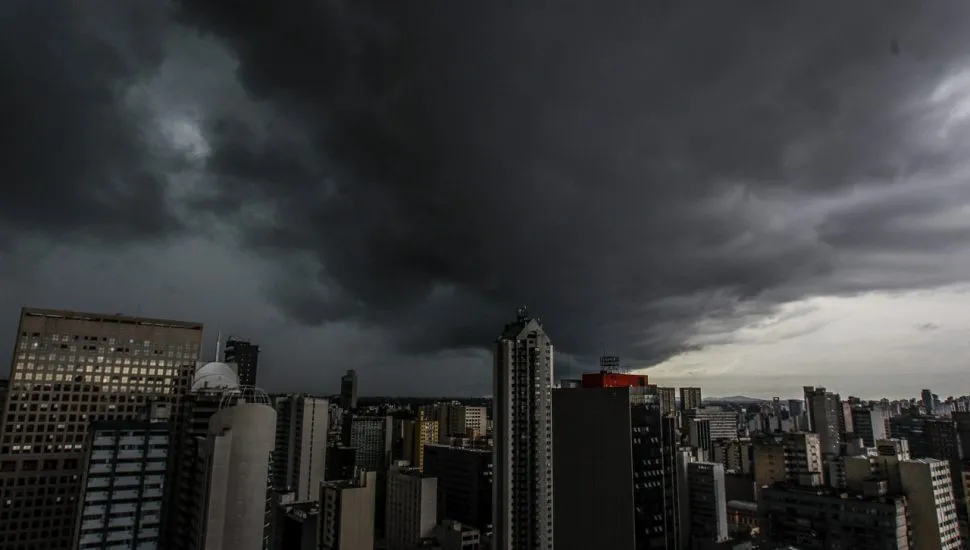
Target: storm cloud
point(634, 172)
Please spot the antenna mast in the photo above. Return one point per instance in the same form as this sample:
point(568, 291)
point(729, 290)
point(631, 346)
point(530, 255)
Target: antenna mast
point(218, 345)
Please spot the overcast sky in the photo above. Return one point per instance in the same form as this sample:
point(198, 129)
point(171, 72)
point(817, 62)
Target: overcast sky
point(747, 199)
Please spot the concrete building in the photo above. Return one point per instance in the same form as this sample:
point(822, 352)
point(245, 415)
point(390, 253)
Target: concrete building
point(419, 432)
point(476, 421)
point(690, 398)
point(412, 507)
point(372, 437)
point(615, 469)
point(793, 457)
point(668, 399)
point(237, 462)
point(346, 517)
point(464, 477)
point(522, 401)
point(736, 456)
point(869, 423)
point(932, 513)
point(699, 434)
point(821, 518)
point(348, 390)
point(824, 414)
point(706, 505)
point(123, 484)
point(300, 449)
point(724, 423)
point(295, 524)
point(67, 370)
point(245, 355)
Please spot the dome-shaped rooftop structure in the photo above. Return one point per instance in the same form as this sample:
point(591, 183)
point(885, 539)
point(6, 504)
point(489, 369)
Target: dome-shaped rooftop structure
point(244, 394)
point(215, 375)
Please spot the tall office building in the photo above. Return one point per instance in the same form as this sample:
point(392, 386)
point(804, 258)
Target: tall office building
point(372, 437)
point(926, 399)
point(723, 423)
point(706, 506)
point(793, 457)
point(615, 466)
point(412, 507)
point(668, 399)
point(933, 516)
point(348, 390)
point(346, 520)
point(237, 468)
point(690, 398)
point(70, 369)
point(419, 432)
point(245, 355)
point(300, 450)
point(123, 484)
point(464, 477)
point(522, 401)
point(824, 414)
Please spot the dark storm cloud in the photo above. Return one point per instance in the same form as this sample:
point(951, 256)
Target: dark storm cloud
point(601, 162)
point(77, 162)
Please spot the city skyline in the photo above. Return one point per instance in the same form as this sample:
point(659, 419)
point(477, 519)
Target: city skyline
point(761, 201)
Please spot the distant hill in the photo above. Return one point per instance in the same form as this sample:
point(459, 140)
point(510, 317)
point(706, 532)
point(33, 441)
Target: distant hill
point(735, 399)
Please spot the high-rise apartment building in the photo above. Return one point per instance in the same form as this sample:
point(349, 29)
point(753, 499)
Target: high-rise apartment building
point(300, 450)
point(346, 520)
point(824, 414)
point(932, 514)
point(419, 432)
point(522, 401)
point(123, 484)
point(869, 423)
point(707, 504)
point(70, 369)
point(792, 457)
point(348, 390)
point(690, 398)
point(615, 470)
point(412, 507)
point(668, 399)
point(464, 477)
point(245, 355)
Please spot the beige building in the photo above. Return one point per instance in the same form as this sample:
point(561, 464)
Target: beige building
point(932, 512)
point(418, 433)
point(240, 441)
point(69, 369)
point(346, 520)
point(412, 507)
point(299, 457)
point(795, 457)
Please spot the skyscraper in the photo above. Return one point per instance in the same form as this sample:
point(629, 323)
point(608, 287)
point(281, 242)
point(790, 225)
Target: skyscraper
point(70, 369)
point(522, 401)
point(690, 398)
point(824, 413)
point(246, 357)
point(300, 452)
point(348, 390)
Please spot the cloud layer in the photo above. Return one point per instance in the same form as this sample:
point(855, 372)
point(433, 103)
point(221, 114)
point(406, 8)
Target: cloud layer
point(635, 173)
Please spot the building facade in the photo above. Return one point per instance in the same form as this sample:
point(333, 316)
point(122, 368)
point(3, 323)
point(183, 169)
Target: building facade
point(300, 449)
point(245, 355)
point(348, 390)
point(69, 369)
point(464, 477)
point(412, 507)
point(690, 398)
point(123, 485)
point(346, 520)
point(522, 400)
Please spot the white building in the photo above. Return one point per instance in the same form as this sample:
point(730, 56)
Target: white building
point(412, 507)
point(241, 438)
point(346, 520)
point(932, 511)
point(522, 492)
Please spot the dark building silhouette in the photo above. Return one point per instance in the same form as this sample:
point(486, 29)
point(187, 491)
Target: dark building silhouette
point(246, 357)
point(348, 390)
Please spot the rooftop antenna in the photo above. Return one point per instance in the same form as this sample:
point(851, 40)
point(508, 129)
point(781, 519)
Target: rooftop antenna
point(610, 364)
point(218, 345)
